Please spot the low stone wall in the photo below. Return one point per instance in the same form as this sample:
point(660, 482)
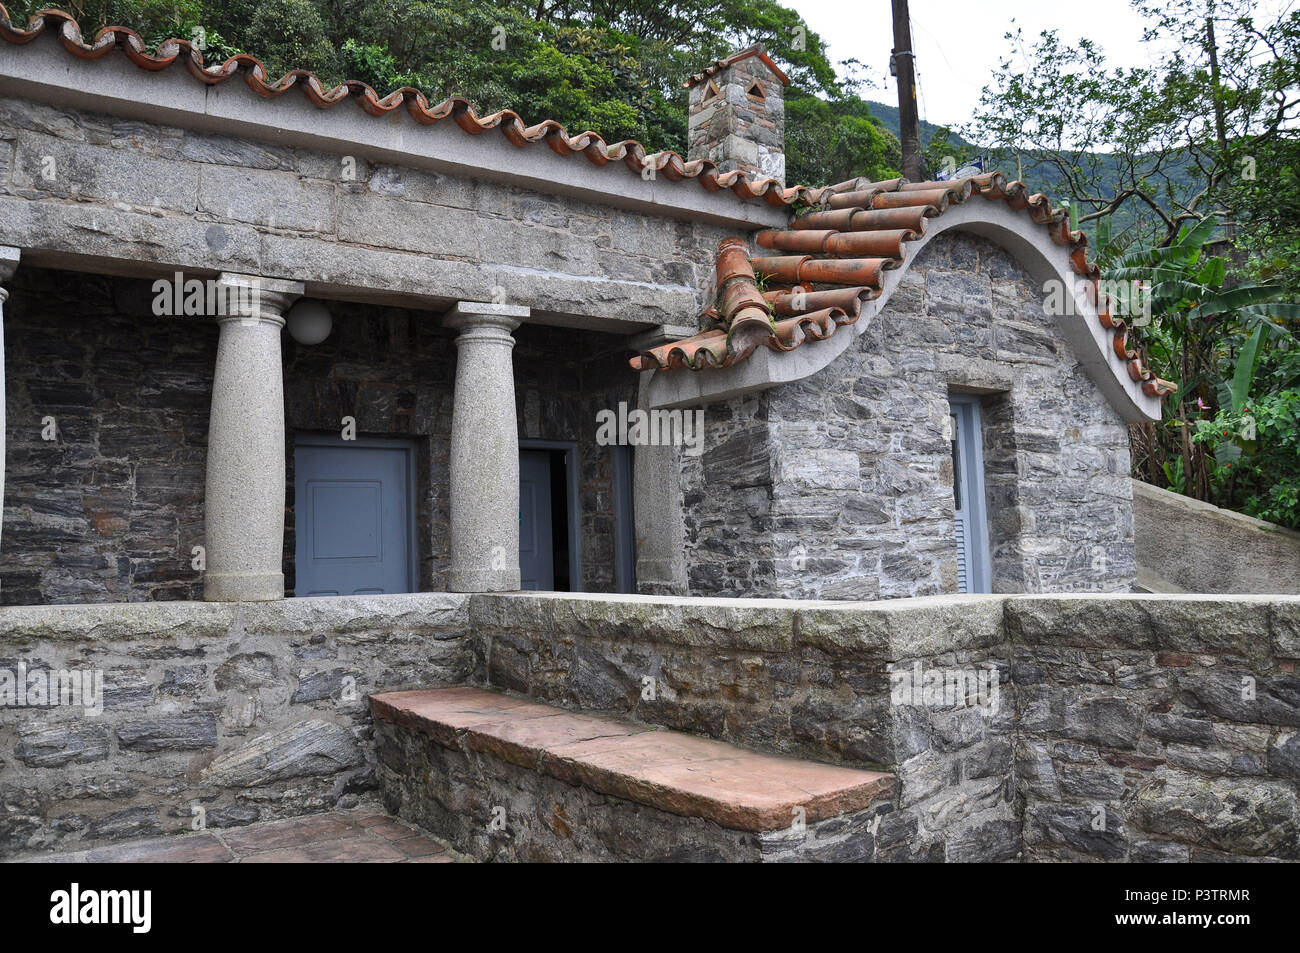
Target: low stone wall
point(1122, 728)
point(807, 679)
point(228, 713)
point(1157, 728)
point(1197, 547)
point(1112, 728)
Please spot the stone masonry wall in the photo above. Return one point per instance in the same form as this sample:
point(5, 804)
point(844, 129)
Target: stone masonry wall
point(97, 185)
point(250, 712)
point(802, 679)
point(110, 510)
point(847, 475)
point(1163, 730)
point(1122, 727)
point(1171, 722)
point(727, 502)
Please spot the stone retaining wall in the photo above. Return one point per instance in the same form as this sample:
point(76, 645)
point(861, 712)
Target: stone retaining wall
point(805, 679)
point(1122, 727)
point(1198, 547)
point(1128, 712)
point(1157, 728)
point(248, 712)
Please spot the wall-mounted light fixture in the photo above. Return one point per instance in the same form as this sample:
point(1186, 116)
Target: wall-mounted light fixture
point(309, 322)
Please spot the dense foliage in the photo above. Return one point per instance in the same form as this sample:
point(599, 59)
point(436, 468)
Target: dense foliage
point(612, 67)
point(1195, 160)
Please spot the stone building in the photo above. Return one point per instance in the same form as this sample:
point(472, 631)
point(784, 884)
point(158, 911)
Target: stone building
point(262, 344)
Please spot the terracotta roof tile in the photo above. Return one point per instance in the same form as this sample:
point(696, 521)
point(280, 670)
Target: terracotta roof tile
point(719, 65)
point(629, 152)
point(831, 260)
point(855, 233)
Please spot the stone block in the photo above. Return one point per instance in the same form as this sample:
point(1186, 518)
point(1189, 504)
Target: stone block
point(274, 200)
point(311, 748)
point(169, 733)
point(1253, 819)
point(54, 746)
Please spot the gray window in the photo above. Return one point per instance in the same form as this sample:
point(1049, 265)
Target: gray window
point(973, 565)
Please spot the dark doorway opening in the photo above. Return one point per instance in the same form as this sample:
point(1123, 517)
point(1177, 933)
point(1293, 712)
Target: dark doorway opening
point(549, 544)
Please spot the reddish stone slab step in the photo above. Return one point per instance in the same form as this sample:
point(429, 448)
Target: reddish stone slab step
point(668, 770)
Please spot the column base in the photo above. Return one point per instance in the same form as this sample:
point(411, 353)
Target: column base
point(243, 587)
point(483, 580)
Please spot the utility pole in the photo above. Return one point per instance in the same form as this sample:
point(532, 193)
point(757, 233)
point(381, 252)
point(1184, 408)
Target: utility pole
point(1220, 122)
point(904, 67)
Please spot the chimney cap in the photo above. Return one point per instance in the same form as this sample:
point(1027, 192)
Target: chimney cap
point(756, 49)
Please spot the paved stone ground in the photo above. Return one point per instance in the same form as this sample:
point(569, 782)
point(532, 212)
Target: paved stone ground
point(366, 835)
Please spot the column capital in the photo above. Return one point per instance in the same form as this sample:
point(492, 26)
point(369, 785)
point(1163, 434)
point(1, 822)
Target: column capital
point(254, 297)
point(9, 256)
point(467, 315)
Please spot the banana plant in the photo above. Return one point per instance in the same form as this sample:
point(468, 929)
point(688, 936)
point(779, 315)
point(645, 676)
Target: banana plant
point(1202, 327)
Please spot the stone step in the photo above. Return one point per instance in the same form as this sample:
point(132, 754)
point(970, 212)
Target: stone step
point(503, 778)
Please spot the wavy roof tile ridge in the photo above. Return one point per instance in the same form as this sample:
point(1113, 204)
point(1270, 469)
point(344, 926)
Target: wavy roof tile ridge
point(857, 217)
point(854, 235)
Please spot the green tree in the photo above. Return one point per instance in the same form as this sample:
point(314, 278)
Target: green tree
point(1210, 336)
point(832, 141)
point(291, 34)
point(1167, 141)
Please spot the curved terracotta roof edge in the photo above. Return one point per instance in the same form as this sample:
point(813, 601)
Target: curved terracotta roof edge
point(890, 201)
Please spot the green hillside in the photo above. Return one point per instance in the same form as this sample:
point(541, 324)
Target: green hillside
point(1039, 174)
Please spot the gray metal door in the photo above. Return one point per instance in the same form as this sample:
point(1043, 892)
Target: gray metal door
point(536, 556)
point(353, 506)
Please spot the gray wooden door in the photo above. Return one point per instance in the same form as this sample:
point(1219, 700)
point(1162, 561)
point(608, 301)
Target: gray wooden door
point(353, 508)
point(536, 555)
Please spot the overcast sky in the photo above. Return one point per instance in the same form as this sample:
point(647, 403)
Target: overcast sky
point(959, 44)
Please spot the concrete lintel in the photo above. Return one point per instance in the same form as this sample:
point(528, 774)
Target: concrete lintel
point(41, 71)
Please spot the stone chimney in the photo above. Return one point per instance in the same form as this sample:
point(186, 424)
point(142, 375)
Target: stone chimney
point(737, 114)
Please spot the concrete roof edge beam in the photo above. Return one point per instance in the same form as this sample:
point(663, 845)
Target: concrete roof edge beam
point(115, 86)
